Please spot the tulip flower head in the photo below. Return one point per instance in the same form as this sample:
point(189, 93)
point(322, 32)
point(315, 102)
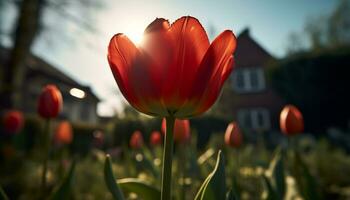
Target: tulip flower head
point(233, 135)
point(175, 71)
point(50, 102)
point(156, 138)
point(291, 120)
point(136, 140)
point(63, 133)
point(182, 130)
point(13, 121)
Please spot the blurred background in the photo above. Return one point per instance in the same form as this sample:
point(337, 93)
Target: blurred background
point(294, 52)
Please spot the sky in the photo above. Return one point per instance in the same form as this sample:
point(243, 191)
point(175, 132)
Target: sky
point(82, 54)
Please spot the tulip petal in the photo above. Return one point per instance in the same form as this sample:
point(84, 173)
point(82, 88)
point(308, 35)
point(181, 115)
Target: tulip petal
point(157, 48)
point(213, 92)
point(158, 25)
point(190, 44)
point(158, 45)
point(213, 71)
point(122, 54)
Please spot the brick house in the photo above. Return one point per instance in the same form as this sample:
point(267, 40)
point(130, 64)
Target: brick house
point(80, 103)
point(248, 97)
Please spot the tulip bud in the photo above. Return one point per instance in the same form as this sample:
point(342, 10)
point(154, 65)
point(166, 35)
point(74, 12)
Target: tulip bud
point(156, 138)
point(233, 135)
point(13, 121)
point(136, 140)
point(291, 120)
point(50, 102)
point(181, 130)
point(63, 133)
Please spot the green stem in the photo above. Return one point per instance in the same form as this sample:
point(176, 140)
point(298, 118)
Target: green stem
point(182, 167)
point(237, 161)
point(167, 159)
point(290, 148)
point(3, 194)
point(46, 141)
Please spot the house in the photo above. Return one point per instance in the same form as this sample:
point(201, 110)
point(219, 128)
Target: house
point(80, 103)
point(248, 97)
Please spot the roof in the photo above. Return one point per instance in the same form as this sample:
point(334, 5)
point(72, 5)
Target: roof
point(249, 53)
point(39, 65)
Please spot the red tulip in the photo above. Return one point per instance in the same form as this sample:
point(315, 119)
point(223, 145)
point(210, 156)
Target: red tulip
point(233, 135)
point(182, 130)
point(291, 120)
point(156, 138)
point(63, 133)
point(13, 121)
point(136, 140)
point(175, 71)
point(50, 102)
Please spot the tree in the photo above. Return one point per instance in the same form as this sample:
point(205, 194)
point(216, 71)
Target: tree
point(295, 44)
point(338, 31)
point(26, 30)
point(315, 32)
point(323, 32)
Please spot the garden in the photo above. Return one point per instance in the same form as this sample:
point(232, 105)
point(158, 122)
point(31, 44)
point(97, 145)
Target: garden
point(201, 121)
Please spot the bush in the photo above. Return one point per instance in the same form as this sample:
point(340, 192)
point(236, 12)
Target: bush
point(317, 84)
point(83, 138)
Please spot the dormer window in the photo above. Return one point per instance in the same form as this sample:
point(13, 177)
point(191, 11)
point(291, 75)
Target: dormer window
point(249, 80)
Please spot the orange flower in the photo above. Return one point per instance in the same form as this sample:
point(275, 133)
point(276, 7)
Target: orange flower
point(50, 102)
point(182, 130)
point(291, 120)
point(175, 71)
point(233, 135)
point(63, 133)
point(13, 121)
point(156, 138)
point(136, 140)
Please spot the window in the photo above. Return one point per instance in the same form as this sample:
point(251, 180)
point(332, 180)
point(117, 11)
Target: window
point(240, 79)
point(85, 112)
point(260, 121)
point(254, 79)
point(255, 118)
point(249, 80)
point(247, 120)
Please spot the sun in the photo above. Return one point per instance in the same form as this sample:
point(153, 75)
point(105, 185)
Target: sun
point(135, 36)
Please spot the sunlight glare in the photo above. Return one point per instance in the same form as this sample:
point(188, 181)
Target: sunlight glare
point(135, 36)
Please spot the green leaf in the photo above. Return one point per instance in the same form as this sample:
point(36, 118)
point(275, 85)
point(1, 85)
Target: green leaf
point(147, 163)
point(278, 175)
point(110, 180)
point(306, 183)
point(3, 195)
point(201, 189)
point(214, 186)
point(231, 195)
point(141, 188)
point(63, 190)
point(271, 193)
point(235, 190)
